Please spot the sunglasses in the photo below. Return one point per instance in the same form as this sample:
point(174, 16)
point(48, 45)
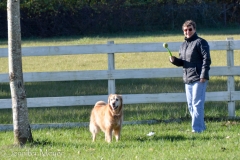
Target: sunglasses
point(190, 29)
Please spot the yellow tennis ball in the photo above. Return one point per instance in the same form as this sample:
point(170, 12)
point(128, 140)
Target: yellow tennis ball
point(165, 45)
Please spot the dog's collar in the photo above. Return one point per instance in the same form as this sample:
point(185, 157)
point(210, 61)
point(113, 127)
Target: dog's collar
point(116, 115)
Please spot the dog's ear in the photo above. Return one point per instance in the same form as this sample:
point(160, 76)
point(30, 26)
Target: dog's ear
point(120, 96)
point(109, 98)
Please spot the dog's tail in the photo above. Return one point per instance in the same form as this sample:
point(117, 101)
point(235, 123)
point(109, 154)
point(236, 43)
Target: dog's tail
point(100, 103)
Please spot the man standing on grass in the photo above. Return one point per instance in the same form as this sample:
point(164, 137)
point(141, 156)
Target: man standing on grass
point(194, 56)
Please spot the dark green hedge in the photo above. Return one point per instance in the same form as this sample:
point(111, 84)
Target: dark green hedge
point(46, 18)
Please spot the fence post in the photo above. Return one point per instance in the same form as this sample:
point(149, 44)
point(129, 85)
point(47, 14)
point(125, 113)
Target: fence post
point(111, 67)
point(230, 81)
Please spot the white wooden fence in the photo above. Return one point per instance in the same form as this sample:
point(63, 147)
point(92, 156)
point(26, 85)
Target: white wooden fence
point(111, 74)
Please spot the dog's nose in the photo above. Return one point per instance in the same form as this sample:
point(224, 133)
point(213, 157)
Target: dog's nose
point(113, 104)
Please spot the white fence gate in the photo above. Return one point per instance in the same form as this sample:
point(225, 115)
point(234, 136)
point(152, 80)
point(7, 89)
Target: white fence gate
point(111, 74)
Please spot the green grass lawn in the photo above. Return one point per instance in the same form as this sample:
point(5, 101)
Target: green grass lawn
point(171, 140)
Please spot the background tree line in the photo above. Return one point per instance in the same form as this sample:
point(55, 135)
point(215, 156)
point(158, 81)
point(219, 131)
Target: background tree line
point(46, 18)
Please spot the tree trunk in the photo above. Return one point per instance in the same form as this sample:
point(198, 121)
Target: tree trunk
point(21, 126)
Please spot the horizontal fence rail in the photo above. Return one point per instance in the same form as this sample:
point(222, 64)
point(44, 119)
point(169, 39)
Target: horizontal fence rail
point(111, 74)
point(114, 48)
point(115, 74)
point(128, 99)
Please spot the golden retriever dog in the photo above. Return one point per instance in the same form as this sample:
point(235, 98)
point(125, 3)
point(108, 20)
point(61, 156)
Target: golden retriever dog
point(107, 117)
